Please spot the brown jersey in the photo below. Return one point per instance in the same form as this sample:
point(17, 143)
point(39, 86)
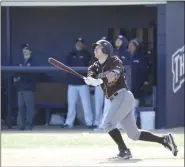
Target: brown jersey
point(98, 70)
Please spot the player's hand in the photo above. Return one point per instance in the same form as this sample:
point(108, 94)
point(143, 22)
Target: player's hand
point(111, 77)
point(92, 81)
point(87, 81)
point(96, 82)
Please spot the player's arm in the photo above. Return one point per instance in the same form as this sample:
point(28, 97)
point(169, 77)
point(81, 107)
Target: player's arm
point(110, 77)
point(91, 75)
point(115, 72)
point(92, 71)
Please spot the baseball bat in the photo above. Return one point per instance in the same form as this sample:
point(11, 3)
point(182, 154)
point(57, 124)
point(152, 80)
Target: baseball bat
point(63, 67)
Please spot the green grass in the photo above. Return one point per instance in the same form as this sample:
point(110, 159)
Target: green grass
point(45, 140)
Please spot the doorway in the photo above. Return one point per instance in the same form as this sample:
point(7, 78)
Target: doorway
point(147, 36)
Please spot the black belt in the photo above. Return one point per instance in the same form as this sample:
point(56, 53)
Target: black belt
point(116, 93)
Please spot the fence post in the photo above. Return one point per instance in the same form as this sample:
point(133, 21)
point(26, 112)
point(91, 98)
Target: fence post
point(8, 51)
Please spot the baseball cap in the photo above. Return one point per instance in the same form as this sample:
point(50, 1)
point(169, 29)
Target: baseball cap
point(80, 39)
point(120, 37)
point(135, 42)
point(26, 46)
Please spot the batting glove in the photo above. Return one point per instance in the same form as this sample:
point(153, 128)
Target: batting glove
point(93, 82)
point(87, 81)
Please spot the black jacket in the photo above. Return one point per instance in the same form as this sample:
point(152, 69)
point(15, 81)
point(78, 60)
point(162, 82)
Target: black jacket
point(139, 73)
point(27, 81)
point(78, 59)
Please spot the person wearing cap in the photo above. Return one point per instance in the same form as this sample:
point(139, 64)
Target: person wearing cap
point(79, 57)
point(108, 72)
point(121, 50)
point(26, 85)
point(139, 72)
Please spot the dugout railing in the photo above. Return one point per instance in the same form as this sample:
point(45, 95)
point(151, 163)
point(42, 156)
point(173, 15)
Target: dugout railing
point(15, 69)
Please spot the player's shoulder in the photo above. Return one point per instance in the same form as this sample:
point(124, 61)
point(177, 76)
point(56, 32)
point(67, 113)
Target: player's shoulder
point(115, 58)
point(94, 65)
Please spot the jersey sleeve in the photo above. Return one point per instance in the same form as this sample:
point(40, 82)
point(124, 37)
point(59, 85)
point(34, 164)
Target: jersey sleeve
point(92, 71)
point(117, 68)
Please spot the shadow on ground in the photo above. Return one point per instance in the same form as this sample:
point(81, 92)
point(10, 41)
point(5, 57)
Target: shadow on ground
point(120, 161)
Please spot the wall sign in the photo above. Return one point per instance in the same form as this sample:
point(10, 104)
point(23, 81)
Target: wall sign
point(178, 69)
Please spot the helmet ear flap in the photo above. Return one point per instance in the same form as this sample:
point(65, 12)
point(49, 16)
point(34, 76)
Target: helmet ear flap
point(104, 51)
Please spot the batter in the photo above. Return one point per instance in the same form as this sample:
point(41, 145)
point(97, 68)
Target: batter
point(108, 72)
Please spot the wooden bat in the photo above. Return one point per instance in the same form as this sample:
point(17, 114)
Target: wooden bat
point(63, 67)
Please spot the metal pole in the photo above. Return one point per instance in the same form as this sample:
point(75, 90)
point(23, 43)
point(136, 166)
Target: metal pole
point(9, 57)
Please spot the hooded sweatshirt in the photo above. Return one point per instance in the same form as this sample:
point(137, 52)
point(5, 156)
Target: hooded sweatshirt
point(139, 71)
point(123, 52)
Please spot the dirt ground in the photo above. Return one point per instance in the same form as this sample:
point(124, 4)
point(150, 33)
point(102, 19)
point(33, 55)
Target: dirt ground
point(92, 156)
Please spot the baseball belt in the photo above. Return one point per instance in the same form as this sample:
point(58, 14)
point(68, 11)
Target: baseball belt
point(116, 93)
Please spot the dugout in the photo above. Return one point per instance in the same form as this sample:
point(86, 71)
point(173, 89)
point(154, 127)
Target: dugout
point(51, 27)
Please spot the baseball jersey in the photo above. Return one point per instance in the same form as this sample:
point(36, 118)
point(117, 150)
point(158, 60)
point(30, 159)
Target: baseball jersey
point(113, 63)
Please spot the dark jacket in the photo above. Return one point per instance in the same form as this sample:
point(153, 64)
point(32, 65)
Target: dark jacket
point(123, 52)
point(27, 81)
point(98, 70)
point(139, 73)
point(77, 59)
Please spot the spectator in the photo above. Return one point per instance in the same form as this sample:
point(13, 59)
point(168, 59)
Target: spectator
point(139, 71)
point(121, 50)
point(26, 84)
point(79, 57)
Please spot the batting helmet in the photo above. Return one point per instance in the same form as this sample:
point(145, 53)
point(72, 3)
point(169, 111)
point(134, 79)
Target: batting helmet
point(107, 46)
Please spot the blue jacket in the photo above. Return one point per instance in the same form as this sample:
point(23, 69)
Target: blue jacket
point(27, 81)
point(139, 74)
point(78, 59)
point(123, 52)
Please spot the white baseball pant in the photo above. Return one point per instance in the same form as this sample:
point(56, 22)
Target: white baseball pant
point(84, 92)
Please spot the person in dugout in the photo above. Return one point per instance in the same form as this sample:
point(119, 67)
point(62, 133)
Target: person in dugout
point(26, 86)
point(121, 50)
point(139, 72)
point(77, 88)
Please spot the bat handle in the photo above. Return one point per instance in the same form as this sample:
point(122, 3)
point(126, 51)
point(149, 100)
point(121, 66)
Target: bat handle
point(84, 77)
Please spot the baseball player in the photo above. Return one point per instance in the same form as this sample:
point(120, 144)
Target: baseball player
point(109, 73)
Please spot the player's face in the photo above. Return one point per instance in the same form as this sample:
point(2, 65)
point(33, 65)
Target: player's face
point(118, 42)
point(98, 52)
point(132, 48)
point(26, 53)
point(79, 46)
